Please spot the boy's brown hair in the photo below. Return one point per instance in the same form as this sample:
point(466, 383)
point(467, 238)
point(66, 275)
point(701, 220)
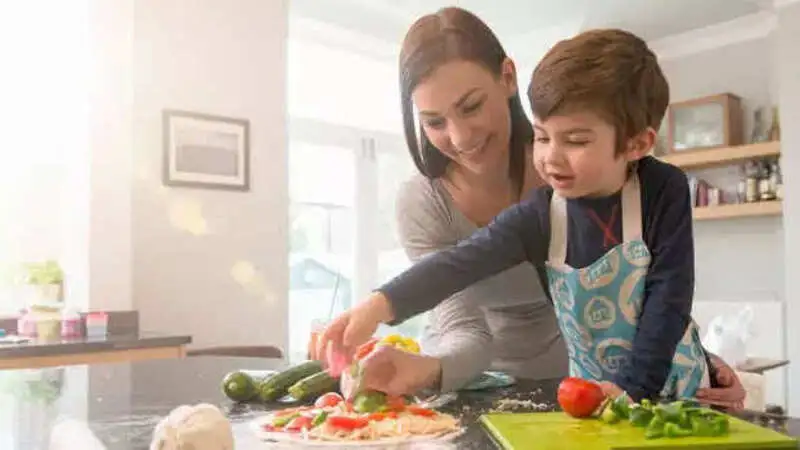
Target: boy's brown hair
point(610, 72)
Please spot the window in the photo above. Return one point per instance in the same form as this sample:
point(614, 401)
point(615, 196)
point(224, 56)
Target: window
point(322, 215)
point(44, 111)
point(341, 87)
point(347, 159)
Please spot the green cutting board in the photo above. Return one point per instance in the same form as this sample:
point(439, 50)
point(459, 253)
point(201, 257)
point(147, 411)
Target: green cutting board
point(556, 430)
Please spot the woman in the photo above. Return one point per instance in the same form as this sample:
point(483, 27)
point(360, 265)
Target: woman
point(472, 154)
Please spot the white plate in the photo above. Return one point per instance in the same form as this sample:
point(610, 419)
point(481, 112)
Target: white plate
point(296, 439)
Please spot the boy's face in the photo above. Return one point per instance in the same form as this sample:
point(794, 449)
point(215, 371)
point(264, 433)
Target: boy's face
point(575, 154)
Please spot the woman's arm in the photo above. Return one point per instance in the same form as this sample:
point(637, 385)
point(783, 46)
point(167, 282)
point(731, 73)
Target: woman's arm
point(461, 339)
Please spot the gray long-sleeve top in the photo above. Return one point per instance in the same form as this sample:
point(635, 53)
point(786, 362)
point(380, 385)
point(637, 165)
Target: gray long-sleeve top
point(516, 332)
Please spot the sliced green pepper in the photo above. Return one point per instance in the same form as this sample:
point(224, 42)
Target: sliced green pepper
point(320, 419)
point(684, 419)
point(655, 429)
point(282, 421)
point(674, 430)
point(369, 402)
point(608, 415)
point(640, 416)
point(669, 412)
point(702, 427)
point(621, 406)
point(719, 425)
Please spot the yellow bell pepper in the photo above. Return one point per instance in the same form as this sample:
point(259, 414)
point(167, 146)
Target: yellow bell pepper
point(403, 343)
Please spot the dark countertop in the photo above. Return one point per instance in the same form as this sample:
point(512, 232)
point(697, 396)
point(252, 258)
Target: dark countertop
point(128, 341)
point(116, 406)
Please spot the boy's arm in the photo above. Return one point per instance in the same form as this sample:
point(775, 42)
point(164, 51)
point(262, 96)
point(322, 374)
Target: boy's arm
point(669, 288)
point(504, 243)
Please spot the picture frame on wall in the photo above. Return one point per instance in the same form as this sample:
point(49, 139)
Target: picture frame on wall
point(206, 151)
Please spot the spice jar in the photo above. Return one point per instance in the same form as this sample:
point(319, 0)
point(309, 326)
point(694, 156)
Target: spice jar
point(96, 325)
point(48, 322)
point(751, 182)
point(71, 325)
point(26, 324)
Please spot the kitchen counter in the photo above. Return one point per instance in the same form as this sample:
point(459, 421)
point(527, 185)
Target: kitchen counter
point(89, 350)
point(117, 406)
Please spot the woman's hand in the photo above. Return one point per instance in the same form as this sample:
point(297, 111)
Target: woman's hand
point(354, 327)
point(730, 394)
point(398, 372)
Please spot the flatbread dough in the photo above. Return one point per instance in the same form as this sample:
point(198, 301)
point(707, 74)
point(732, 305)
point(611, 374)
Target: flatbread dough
point(199, 427)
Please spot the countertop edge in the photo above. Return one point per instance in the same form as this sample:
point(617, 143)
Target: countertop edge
point(112, 343)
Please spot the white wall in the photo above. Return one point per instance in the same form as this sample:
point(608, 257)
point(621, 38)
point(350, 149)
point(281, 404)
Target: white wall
point(787, 66)
point(749, 261)
point(225, 58)
point(743, 69)
point(100, 219)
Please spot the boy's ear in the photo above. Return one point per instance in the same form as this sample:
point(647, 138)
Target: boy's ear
point(508, 74)
point(640, 145)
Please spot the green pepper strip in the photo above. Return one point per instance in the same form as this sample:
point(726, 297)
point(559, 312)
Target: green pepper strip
point(640, 417)
point(282, 421)
point(720, 425)
point(669, 412)
point(609, 415)
point(368, 402)
point(320, 419)
point(702, 427)
point(674, 430)
point(621, 407)
point(655, 429)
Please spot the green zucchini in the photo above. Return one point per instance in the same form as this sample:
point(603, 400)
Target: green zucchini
point(275, 386)
point(242, 385)
point(313, 386)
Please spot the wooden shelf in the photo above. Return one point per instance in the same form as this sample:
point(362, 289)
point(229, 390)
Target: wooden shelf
point(720, 156)
point(756, 209)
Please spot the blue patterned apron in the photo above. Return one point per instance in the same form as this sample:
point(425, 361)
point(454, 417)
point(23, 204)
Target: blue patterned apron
point(598, 306)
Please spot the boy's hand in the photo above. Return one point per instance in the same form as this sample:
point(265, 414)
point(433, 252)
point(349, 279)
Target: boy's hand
point(730, 394)
point(611, 390)
point(354, 327)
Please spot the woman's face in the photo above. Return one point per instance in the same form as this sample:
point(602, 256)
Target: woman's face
point(464, 112)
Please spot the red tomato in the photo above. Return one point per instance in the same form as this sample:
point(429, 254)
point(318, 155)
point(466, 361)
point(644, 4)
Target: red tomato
point(395, 403)
point(300, 422)
point(365, 349)
point(418, 411)
point(579, 397)
point(329, 399)
point(347, 423)
point(376, 417)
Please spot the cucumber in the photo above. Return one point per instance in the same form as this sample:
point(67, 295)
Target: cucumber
point(242, 385)
point(313, 386)
point(275, 386)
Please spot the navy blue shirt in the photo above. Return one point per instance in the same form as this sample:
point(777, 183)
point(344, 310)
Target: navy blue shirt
point(522, 233)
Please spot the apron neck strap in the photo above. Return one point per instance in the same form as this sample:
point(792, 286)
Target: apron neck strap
point(557, 254)
point(631, 209)
point(631, 219)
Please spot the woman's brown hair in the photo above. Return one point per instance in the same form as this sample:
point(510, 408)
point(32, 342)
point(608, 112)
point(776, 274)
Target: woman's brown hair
point(455, 34)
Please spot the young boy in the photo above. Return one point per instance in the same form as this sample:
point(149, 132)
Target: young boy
point(612, 234)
